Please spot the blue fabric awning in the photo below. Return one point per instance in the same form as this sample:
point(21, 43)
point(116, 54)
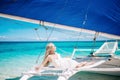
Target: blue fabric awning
point(98, 15)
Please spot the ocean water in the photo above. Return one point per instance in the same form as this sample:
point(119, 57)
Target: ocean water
point(18, 57)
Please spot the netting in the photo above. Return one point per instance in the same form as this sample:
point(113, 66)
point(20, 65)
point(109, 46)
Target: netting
point(107, 48)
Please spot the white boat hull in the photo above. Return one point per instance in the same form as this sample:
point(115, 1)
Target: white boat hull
point(107, 71)
point(110, 67)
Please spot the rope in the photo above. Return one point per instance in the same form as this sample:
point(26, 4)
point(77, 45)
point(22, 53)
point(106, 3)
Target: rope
point(40, 40)
point(63, 50)
point(94, 43)
point(83, 24)
point(37, 33)
point(56, 21)
point(78, 39)
point(41, 23)
point(48, 36)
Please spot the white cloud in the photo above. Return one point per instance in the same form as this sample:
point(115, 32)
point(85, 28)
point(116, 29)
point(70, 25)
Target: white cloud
point(77, 37)
point(3, 37)
point(54, 38)
point(89, 36)
point(45, 39)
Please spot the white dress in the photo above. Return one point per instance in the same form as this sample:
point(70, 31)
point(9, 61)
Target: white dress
point(64, 62)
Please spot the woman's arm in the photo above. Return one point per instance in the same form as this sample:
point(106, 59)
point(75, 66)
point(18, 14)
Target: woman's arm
point(43, 64)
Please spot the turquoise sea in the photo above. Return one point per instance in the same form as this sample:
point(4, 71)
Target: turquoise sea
point(18, 57)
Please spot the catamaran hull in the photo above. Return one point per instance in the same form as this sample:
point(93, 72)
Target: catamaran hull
point(109, 67)
point(108, 71)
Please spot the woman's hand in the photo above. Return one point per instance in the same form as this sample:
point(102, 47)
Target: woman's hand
point(37, 68)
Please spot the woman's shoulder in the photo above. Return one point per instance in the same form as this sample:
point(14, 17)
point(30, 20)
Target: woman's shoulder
point(49, 56)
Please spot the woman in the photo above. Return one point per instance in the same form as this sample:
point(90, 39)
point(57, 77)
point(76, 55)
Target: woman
point(52, 57)
point(49, 57)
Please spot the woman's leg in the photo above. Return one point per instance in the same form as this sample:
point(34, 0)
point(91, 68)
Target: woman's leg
point(84, 64)
point(81, 64)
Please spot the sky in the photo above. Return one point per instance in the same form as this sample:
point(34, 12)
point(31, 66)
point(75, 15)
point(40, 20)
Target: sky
point(13, 30)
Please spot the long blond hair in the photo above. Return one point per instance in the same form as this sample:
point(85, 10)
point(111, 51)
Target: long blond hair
point(48, 49)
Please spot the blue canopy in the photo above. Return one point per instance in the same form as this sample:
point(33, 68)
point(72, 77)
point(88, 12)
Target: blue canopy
point(98, 15)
